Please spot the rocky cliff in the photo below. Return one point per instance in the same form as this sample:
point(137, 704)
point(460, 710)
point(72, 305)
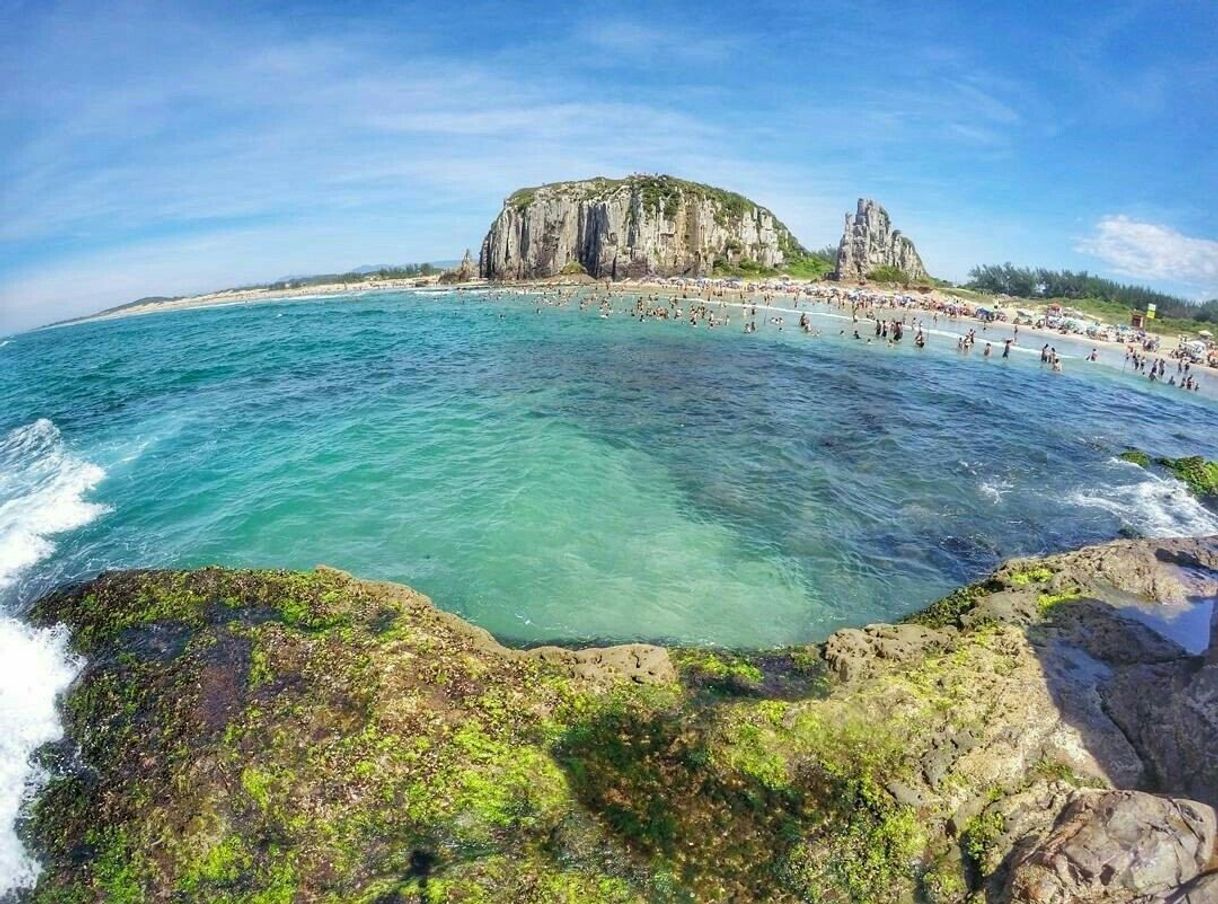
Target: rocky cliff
point(616, 228)
point(869, 244)
point(1045, 735)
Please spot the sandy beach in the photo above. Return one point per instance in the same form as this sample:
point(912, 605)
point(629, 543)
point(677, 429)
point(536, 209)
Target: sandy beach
point(1027, 339)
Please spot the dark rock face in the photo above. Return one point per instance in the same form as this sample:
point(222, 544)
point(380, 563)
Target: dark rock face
point(869, 243)
point(277, 736)
point(619, 228)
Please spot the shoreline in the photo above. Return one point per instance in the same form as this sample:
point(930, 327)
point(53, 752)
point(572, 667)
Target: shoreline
point(229, 297)
point(745, 295)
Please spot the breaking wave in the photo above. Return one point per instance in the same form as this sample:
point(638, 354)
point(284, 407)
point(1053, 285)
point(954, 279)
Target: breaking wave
point(1155, 507)
point(42, 493)
point(35, 668)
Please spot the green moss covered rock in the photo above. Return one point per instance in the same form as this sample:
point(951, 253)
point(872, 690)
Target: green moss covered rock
point(258, 736)
point(1198, 474)
point(1135, 456)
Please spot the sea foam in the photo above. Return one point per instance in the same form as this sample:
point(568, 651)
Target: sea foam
point(35, 668)
point(1154, 507)
point(42, 490)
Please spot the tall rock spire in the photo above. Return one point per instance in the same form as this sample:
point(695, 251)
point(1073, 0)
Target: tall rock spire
point(869, 242)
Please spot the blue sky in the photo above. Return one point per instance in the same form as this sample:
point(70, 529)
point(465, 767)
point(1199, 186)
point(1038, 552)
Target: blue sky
point(169, 148)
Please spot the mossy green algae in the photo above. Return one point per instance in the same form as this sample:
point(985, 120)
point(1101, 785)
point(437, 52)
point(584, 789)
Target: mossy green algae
point(276, 736)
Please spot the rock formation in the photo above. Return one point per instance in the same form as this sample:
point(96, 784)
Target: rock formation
point(464, 272)
point(282, 736)
point(641, 225)
point(869, 243)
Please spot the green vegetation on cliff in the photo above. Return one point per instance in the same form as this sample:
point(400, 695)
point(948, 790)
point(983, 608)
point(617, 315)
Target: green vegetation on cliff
point(659, 194)
point(888, 274)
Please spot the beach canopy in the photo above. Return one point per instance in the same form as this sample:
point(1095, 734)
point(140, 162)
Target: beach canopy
point(1206, 333)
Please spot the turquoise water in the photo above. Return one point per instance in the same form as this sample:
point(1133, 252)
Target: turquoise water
point(560, 476)
point(551, 475)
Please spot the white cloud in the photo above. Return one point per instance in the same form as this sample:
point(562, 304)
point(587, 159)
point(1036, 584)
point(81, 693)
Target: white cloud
point(1151, 251)
point(614, 39)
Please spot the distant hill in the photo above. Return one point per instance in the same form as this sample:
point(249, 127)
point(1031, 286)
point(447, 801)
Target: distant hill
point(359, 275)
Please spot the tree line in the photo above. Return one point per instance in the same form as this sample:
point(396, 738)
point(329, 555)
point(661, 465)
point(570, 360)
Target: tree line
point(1038, 282)
point(406, 271)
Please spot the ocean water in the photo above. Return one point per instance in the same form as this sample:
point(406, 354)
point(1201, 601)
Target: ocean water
point(553, 475)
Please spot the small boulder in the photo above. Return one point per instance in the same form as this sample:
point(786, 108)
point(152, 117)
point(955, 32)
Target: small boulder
point(1008, 607)
point(854, 653)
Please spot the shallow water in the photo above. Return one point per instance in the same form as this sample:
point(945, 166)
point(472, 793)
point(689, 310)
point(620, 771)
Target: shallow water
point(559, 476)
point(552, 475)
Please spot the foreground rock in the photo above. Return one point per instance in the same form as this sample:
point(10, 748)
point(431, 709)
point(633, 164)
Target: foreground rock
point(270, 736)
point(639, 226)
point(1116, 843)
point(871, 249)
